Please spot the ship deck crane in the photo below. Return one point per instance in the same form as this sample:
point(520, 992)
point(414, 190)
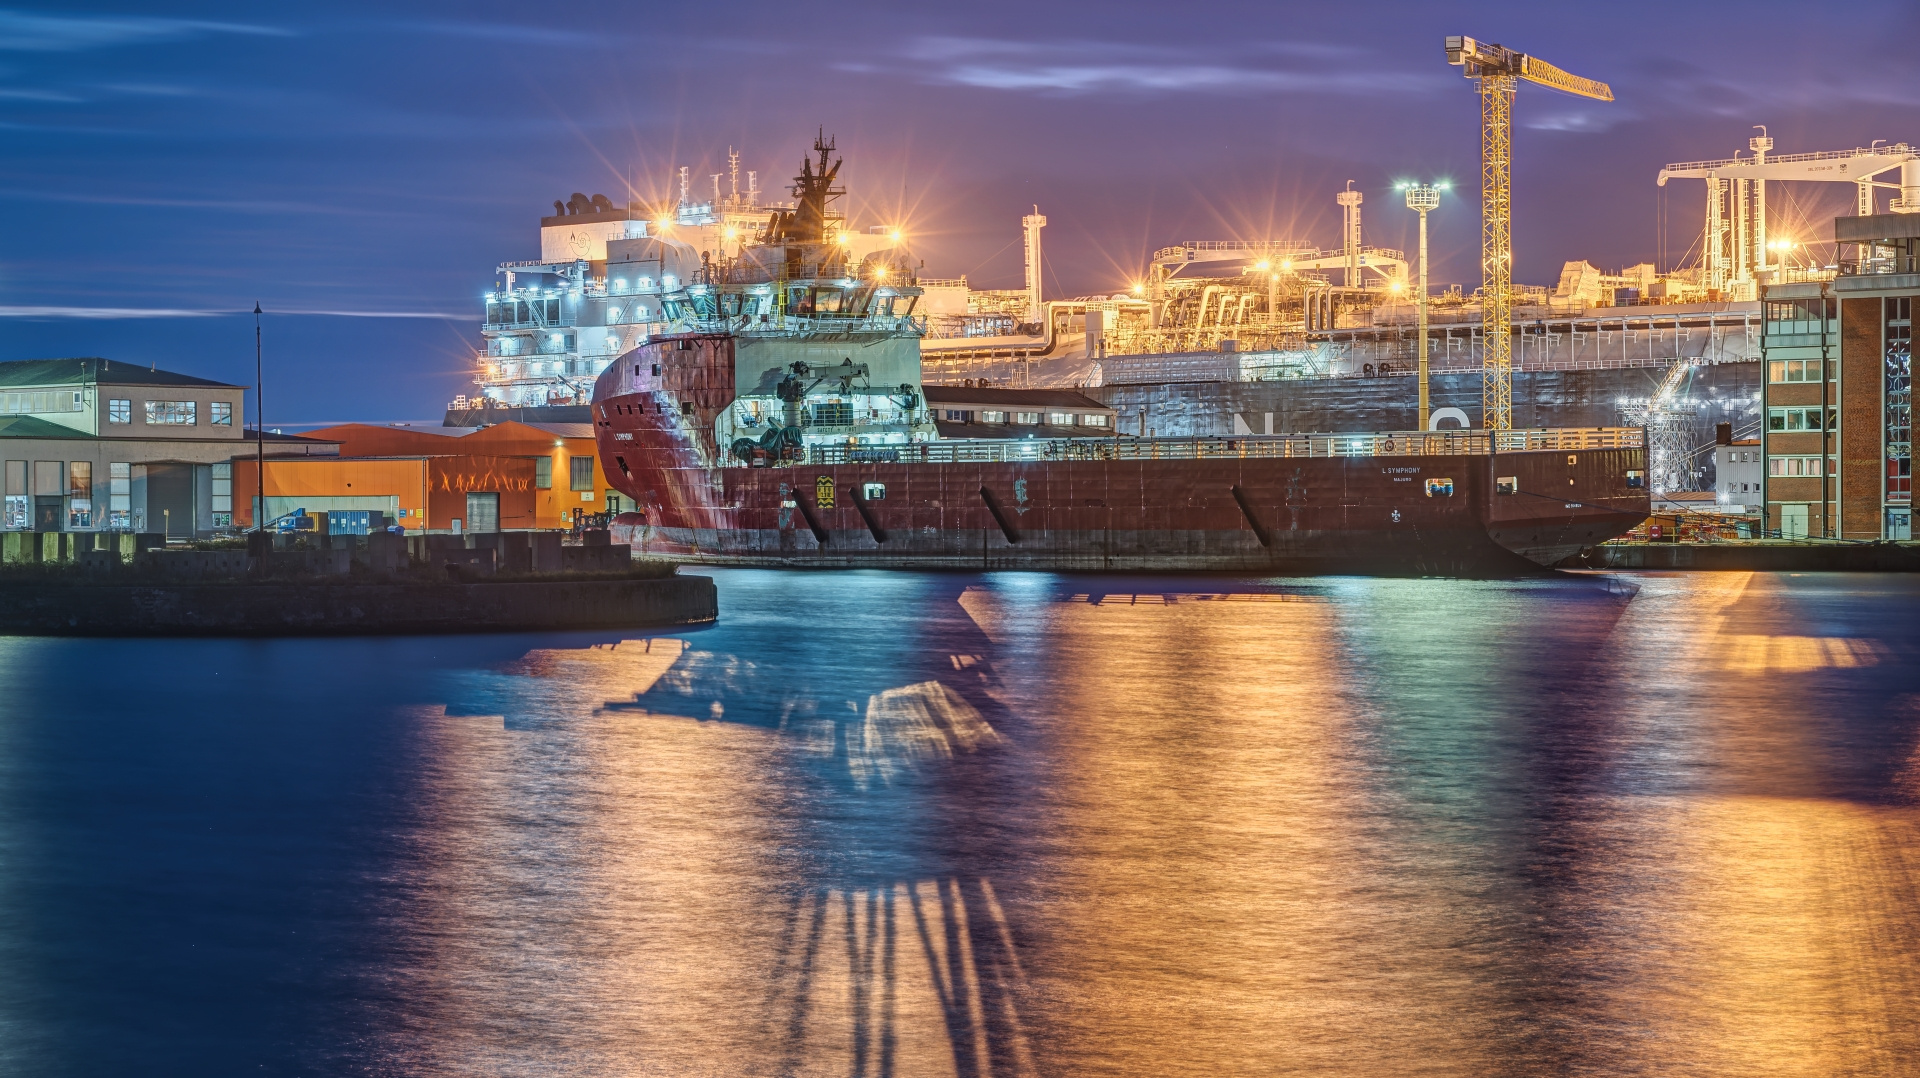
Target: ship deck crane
point(1499, 69)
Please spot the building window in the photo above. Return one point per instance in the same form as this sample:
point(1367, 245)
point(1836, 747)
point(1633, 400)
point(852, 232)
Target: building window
point(1060, 419)
point(119, 496)
point(119, 411)
point(1796, 466)
point(223, 487)
point(1027, 418)
point(15, 516)
point(1092, 420)
point(172, 413)
point(956, 415)
point(543, 473)
point(1792, 419)
point(993, 417)
point(833, 414)
point(581, 473)
point(79, 494)
point(221, 413)
point(1897, 434)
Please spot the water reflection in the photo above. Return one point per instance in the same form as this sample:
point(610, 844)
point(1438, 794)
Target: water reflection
point(886, 824)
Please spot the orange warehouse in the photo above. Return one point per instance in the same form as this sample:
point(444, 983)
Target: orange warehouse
point(506, 477)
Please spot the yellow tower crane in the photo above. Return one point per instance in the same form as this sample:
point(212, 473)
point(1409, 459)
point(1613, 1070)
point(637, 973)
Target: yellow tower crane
point(1498, 68)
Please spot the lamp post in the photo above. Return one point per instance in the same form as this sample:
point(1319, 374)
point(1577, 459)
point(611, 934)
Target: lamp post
point(1422, 197)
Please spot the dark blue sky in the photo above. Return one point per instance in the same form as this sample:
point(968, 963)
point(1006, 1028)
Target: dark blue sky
point(368, 165)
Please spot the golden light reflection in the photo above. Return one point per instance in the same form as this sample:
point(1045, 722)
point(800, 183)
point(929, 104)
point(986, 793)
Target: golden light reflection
point(1176, 721)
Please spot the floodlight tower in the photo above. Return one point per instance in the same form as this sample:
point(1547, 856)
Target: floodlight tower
point(1422, 197)
point(1499, 69)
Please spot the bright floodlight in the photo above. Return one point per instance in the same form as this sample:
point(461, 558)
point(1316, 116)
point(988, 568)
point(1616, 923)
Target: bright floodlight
point(1263, 265)
point(896, 235)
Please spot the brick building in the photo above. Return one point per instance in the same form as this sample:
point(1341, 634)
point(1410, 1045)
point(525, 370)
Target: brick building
point(1838, 401)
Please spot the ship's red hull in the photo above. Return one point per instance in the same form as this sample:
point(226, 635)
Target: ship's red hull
point(1308, 514)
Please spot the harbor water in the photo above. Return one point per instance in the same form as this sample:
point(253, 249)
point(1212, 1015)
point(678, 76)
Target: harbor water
point(1007, 824)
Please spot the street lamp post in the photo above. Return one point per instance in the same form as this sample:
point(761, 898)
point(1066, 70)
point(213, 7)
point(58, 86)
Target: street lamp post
point(1422, 197)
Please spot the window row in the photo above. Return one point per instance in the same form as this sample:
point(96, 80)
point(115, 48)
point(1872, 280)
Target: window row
point(1793, 419)
point(171, 413)
point(1029, 419)
point(1799, 466)
point(1799, 370)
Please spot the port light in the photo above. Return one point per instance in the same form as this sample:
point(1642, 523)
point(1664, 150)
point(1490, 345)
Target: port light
point(845, 239)
point(731, 233)
point(896, 235)
point(663, 223)
point(1287, 264)
point(1138, 288)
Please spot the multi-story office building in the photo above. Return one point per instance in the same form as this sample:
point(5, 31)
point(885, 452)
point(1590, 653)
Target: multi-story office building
point(95, 445)
point(1838, 393)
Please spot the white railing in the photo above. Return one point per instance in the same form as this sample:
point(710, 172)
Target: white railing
point(1379, 444)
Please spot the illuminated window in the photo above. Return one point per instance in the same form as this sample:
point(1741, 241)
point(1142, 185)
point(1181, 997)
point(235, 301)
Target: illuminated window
point(1060, 419)
point(1797, 370)
point(1507, 484)
point(873, 492)
point(993, 417)
point(580, 473)
point(1792, 419)
point(1091, 420)
point(1027, 418)
point(543, 473)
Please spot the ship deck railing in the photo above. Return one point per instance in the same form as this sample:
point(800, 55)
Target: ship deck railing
point(1378, 444)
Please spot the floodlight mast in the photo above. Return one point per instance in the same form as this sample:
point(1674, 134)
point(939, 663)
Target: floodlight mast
point(1498, 70)
point(1422, 197)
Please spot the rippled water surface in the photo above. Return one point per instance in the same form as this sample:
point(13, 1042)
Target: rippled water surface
point(1013, 824)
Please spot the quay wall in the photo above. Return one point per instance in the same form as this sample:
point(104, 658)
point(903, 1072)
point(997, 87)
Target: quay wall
point(338, 607)
point(1759, 556)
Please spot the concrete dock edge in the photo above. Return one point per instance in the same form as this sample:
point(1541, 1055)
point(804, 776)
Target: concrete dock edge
point(315, 608)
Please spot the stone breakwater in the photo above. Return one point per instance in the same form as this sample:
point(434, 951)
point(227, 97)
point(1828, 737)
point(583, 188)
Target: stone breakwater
point(340, 607)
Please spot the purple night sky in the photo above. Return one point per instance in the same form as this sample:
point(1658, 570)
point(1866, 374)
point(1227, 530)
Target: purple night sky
point(368, 165)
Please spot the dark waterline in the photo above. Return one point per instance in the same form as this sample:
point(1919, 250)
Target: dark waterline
point(885, 823)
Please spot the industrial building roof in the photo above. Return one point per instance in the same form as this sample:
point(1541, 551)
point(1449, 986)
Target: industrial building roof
point(90, 370)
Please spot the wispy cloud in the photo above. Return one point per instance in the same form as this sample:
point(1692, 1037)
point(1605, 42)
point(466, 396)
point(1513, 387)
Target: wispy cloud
point(122, 313)
point(22, 31)
point(516, 33)
point(468, 317)
point(1083, 67)
point(108, 313)
point(53, 96)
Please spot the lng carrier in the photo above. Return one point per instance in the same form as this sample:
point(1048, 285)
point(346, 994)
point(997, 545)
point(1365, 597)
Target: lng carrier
point(775, 413)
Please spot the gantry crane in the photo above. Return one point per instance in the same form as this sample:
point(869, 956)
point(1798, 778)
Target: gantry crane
point(1498, 68)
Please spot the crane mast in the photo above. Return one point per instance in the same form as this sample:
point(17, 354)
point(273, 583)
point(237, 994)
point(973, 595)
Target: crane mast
point(1499, 70)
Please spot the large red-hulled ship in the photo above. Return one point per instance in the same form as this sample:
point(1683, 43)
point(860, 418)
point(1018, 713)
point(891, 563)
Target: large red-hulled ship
point(781, 420)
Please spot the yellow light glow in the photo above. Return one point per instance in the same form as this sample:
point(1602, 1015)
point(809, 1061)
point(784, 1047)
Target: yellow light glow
point(896, 235)
point(1287, 265)
point(845, 239)
point(731, 233)
point(1263, 265)
point(663, 223)
point(1398, 287)
point(880, 273)
point(1138, 288)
